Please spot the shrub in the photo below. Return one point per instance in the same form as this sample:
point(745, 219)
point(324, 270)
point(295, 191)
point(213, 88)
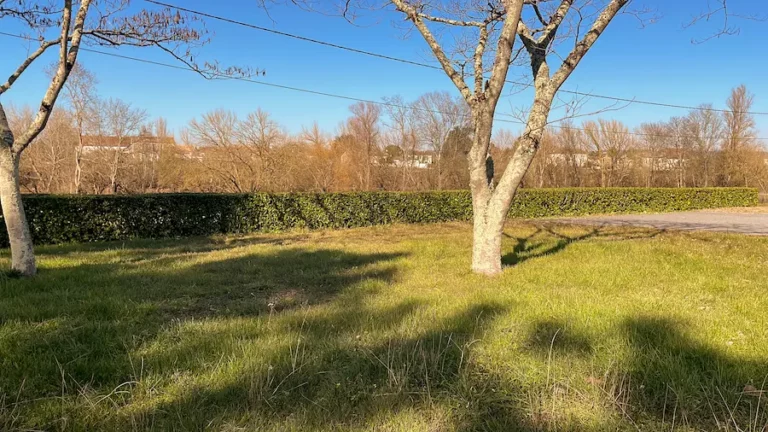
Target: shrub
point(63, 219)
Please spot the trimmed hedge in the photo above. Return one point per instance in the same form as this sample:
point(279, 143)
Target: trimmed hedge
point(64, 219)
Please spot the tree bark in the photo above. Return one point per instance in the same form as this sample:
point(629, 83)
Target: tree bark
point(78, 164)
point(487, 234)
point(113, 172)
point(22, 251)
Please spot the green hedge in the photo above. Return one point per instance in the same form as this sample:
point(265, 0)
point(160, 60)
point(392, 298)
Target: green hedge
point(63, 219)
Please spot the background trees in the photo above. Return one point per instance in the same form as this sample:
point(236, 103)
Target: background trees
point(400, 145)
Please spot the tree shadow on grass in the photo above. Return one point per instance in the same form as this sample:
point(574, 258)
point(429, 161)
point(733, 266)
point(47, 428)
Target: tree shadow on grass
point(680, 381)
point(550, 241)
point(164, 246)
point(332, 378)
point(668, 381)
point(73, 330)
point(555, 337)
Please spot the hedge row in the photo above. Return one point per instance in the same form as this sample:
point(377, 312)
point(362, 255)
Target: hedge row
point(63, 219)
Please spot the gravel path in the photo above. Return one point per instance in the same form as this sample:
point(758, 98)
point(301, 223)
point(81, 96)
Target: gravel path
point(751, 221)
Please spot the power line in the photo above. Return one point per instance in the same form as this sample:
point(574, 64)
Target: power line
point(293, 36)
point(425, 65)
point(335, 95)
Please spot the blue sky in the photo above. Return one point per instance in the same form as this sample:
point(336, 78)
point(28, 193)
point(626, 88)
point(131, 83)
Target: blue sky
point(657, 63)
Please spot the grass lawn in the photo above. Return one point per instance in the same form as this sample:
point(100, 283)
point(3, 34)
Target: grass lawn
point(385, 329)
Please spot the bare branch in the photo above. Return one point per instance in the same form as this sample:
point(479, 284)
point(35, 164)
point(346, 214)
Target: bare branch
point(548, 33)
point(449, 21)
point(434, 45)
point(27, 62)
point(598, 27)
point(479, 53)
point(67, 58)
point(504, 50)
point(726, 29)
point(538, 14)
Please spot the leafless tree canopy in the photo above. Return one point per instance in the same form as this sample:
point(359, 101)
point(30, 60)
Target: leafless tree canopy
point(723, 18)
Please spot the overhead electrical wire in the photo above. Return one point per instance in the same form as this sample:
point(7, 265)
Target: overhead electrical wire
point(328, 94)
point(425, 65)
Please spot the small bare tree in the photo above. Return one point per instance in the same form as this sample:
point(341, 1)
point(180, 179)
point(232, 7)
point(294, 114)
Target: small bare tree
point(403, 135)
point(570, 145)
point(475, 44)
point(239, 152)
point(364, 127)
point(739, 138)
point(80, 95)
point(653, 147)
point(319, 162)
point(216, 133)
point(66, 25)
point(49, 160)
point(119, 126)
point(612, 142)
point(260, 135)
point(436, 115)
point(680, 142)
point(705, 127)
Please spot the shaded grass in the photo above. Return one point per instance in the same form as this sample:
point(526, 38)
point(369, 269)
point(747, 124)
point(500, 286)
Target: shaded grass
point(385, 329)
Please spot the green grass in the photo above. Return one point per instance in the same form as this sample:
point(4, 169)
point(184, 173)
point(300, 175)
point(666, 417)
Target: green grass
point(385, 329)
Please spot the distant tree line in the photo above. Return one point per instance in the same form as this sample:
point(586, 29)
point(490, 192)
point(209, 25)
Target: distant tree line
point(105, 146)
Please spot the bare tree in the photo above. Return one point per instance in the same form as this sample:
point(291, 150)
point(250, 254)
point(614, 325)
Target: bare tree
point(680, 142)
point(364, 127)
point(153, 154)
point(739, 137)
point(611, 142)
point(66, 25)
point(403, 135)
point(570, 145)
point(119, 125)
point(436, 115)
point(217, 130)
point(705, 127)
point(160, 128)
point(260, 135)
point(495, 25)
point(239, 152)
point(319, 163)
point(80, 95)
point(653, 147)
point(49, 160)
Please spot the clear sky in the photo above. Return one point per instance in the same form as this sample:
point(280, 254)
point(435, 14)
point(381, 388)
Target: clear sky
point(657, 63)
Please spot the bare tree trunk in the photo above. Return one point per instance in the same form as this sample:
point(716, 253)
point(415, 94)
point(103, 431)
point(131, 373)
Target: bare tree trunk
point(22, 251)
point(439, 172)
point(601, 164)
point(487, 226)
point(706, 173)
point(487, 234)
point(368, 166)
point(113, 172)
point(78, 164)
point(491, 203)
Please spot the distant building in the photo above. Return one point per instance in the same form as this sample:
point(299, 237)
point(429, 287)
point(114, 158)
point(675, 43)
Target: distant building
point(578, 159)
point(419, 160)
point(142, 144)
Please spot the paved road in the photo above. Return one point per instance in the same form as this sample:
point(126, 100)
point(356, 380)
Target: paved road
point(732, 220)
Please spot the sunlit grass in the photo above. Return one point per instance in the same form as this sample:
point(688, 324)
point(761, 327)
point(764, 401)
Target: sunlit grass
point(385, 329)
